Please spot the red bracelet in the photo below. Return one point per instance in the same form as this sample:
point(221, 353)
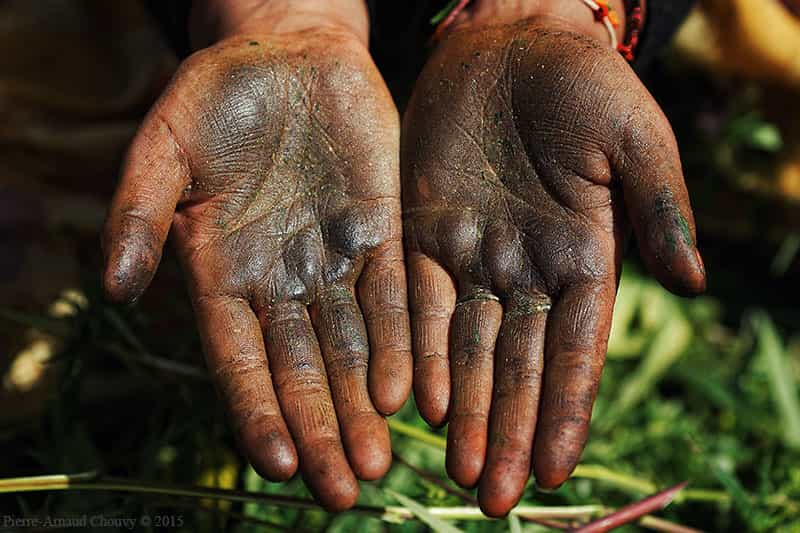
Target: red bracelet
point(634, 17)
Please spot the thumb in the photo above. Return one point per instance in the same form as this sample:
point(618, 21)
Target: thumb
point(648, 164)
point(154, 175)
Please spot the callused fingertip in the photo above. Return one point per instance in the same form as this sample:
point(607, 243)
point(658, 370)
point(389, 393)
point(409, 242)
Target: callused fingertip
point(372, 467)
point(129, 269)
point(466, 452)
point(387, 403)
point(495, 506)
point(465, 471)
point(686, 275)
point(121, 285)
point(339, 495)
point(552, 466)
point(550, 474)
point(132, 251)
point(432, 404)
point(273, 456)
point(370, 451)
point(496, 497)
point(390, 388)
point(503, 481)
point(696, 284)
point(328, 475)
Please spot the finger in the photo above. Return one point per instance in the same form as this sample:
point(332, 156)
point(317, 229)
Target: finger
point(575, 349)
point(475, 324)
point(517, 376)
point(304, 396)
point(382, 296)
point(343, 339)
point(235, 356)
point(432, 298)
point(154, 176)
point(658, 205)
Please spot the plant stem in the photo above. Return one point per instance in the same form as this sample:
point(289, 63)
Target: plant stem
point(659, 524)
point(427, 476)
point(522, 511)
point(395, 514)
point(417, 434)
point(626, 481)
point(633, 512)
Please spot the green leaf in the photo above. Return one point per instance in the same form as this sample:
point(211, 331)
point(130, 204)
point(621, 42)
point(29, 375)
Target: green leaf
point(668, 345)
point(416, 433)
point(514, 525)
point(766, 137)
point(436, 524)
point(753, 131)
point(624, 343)
point(782, 385)
point(734, 487)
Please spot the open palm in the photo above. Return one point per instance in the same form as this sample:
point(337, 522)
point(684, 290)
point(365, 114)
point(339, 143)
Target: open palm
point(528, 151)
point(275, 162)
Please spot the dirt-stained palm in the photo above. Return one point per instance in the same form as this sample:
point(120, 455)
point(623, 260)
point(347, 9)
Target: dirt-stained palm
point(274, 159)
point(528, 151)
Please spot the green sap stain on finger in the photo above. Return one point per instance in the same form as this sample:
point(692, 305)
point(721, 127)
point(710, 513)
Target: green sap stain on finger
point(686, 233)
point(666, 209)
point(476, 336)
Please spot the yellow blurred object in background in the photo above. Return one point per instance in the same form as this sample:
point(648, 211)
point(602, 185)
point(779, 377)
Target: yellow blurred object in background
point(757, 39)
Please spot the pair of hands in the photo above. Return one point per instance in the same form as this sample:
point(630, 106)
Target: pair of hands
point(529, 149)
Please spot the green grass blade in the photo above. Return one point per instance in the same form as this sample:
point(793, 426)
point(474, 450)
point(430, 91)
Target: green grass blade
point(668, 345)
point(782, 384)
point(623, 342)
point(514, 525)
point(436, 524)
point(413, 432)
point(733, 487)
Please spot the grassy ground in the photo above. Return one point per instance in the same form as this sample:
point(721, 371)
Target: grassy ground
point(684, 397)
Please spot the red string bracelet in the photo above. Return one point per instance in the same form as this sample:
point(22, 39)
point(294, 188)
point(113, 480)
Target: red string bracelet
point(635, 12)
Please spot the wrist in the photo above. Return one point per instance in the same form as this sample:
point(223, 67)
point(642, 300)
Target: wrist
point(214, 20)
point(571, 13)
